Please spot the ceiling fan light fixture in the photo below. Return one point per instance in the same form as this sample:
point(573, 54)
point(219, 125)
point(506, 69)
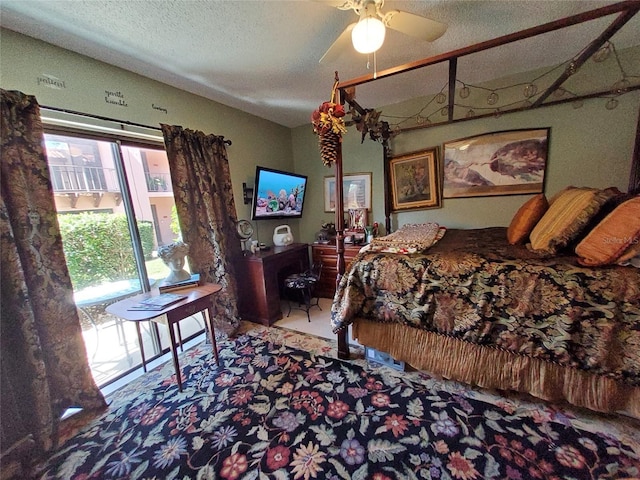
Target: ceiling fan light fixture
point(368, 34)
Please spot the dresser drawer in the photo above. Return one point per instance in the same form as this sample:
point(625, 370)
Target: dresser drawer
point(326, 254)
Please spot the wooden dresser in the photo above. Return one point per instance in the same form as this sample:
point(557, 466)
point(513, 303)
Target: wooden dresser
point(329, 258)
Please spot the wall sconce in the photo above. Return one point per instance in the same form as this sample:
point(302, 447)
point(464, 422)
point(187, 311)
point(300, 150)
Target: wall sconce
point(247, 194)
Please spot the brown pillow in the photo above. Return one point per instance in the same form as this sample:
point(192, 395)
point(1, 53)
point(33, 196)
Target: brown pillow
point(630, 254)
point(569, 213)
point(526, 218)
point(613, 236)
point(607, 207)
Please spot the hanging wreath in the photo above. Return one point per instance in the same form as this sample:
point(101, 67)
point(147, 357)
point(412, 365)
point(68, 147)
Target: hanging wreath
point(328, 124)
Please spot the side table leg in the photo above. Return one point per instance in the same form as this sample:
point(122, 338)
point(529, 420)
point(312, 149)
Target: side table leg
point(174, 353)
point(144, 361)
point(179, 337)
point(209, 315)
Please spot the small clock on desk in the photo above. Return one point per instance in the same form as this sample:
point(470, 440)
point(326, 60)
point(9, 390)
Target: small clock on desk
point(244, 231)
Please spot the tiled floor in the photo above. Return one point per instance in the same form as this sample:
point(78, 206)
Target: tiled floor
point(112, 344)
point(320, 324)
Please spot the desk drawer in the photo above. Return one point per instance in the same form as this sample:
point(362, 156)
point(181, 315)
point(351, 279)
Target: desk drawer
point(189, 309)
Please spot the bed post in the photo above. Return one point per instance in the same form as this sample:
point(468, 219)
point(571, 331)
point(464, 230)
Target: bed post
point(343, 344)
point(387, 193)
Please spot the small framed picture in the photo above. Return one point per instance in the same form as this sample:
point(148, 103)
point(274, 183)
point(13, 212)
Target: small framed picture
point(356, 191)
point(358, 218)
point(415, 181)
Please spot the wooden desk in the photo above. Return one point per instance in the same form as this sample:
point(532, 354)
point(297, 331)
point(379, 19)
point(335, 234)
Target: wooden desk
point(198, 299)
point(261, 276)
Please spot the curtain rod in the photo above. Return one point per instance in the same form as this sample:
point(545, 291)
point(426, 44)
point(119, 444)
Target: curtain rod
point(122, 122)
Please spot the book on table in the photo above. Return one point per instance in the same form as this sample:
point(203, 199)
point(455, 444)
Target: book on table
point(193, 281)
point(158, 302)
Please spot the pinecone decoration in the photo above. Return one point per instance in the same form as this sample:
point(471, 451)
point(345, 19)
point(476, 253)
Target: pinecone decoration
point(329, 143)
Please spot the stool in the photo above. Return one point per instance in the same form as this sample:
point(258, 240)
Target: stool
point(304, 284)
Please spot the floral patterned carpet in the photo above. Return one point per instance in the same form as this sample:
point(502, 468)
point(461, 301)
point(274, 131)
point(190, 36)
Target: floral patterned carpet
point(281, 406)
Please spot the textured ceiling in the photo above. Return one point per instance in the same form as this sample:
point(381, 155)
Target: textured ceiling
point(262, 56)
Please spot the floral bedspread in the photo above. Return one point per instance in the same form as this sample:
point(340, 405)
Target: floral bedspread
point(474, 286)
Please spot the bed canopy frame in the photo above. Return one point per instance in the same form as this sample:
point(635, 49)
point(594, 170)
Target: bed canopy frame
point(382, 132)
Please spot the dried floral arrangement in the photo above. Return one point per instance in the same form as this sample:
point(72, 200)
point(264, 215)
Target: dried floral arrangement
point(328, 124)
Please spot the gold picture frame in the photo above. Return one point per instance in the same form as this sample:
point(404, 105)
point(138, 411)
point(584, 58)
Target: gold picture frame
point(356, 191)
point(511, 162)
point(415, 181)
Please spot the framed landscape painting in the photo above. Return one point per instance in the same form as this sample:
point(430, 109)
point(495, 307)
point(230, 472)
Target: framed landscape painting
point(356, 191)
point(415, 181)
point(500, 163)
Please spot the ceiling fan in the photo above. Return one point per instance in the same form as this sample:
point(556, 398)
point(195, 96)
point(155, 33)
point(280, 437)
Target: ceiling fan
point(367, 34)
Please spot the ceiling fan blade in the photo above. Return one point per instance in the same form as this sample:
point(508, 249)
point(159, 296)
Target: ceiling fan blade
point(339, 4)
point(341, 43)
point(414, 25)
point(334, 3)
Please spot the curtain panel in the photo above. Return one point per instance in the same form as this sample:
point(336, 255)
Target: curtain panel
point(44, 362)
point(203, 194)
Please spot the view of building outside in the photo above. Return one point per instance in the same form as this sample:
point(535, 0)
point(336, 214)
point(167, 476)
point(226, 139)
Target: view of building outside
point(90, 197)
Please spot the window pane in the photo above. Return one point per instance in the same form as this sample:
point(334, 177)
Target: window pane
point(148, 176)
point(98, 246)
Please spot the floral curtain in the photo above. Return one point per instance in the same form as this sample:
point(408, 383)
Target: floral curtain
point(44, 361)
point(204, 201)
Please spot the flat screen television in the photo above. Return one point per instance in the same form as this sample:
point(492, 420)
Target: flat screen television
point(277, 194)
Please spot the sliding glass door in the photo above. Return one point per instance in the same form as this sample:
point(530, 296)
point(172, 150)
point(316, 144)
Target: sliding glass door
point(115, 208)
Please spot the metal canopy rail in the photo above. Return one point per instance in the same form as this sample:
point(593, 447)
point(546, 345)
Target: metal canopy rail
point(627, 10)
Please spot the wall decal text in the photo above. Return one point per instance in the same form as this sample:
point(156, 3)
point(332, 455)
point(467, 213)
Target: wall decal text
point(157, 107)
point(50, 81)
point(115, 98)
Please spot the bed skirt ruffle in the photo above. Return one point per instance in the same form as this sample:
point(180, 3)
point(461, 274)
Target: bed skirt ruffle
point(498, 369)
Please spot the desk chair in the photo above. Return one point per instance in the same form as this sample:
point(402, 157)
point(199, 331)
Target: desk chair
point(303, 285)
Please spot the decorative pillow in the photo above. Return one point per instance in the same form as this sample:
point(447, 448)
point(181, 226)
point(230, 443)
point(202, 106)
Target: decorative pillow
point(613, 236)
point(410, 238)
point(526, 218)
point(631, 256)
point(607, 207)
point(569, 213)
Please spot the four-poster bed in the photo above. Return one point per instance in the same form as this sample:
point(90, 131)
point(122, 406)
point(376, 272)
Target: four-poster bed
point(369, 307)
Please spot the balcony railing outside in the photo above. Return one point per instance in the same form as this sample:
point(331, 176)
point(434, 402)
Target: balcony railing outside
point(69, 178)
point(158, 182)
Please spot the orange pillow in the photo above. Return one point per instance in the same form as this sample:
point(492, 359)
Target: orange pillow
point(566, 217)
point(613, 236)
point(630, 254)
point(526, 218)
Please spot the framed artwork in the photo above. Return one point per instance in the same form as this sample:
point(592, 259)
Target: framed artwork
point(500, 163)
point(358, 218)
point(415, 181)
point(356, 191)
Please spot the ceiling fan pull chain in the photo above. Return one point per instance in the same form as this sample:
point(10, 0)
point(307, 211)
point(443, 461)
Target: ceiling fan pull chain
point(375, 66)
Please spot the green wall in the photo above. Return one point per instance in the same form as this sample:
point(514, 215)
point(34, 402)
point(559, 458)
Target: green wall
point(25, 60)
point(590, 146)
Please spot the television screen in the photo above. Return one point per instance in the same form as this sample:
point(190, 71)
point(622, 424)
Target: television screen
point(278, 194)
